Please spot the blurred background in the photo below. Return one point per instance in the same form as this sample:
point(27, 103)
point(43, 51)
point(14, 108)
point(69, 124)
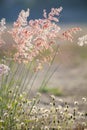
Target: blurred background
point(73, 10)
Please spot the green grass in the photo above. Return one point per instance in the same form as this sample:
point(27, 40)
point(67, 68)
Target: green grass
point(54, 91)
point(80, 51)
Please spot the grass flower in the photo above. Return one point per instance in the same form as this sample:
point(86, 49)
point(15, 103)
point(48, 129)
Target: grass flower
point(34, 38)
point(2, 28)
point(4, 69)
point(82, 40)
point(84, 99)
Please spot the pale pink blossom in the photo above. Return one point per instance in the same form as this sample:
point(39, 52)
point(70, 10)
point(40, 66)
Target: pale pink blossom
point(4, 69)
point(68, 34)
point(54, 12)
point(2, 25)
point(82, 40)
point(2, 28)
point(36, 37)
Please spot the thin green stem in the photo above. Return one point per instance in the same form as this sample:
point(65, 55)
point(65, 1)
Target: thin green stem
point(26, 77)
point(50, 76)
point(33, 81)
point(47, 72)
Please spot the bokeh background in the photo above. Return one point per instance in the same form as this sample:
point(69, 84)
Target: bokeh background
point(73, 10)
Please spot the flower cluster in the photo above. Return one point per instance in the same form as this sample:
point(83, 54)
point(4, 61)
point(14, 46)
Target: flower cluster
point(68, 34)
point(2, 28)
point(22, 113)
point(3, 69)
point(82, 40)
point(36, 37)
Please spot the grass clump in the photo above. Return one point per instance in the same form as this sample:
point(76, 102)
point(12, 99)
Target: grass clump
point(54, 91)
point(22, 113)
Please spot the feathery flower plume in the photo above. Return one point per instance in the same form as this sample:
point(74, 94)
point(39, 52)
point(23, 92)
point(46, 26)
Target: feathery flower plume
point(36, 37)
point(4, 69)
point(52, 15)
point(68, 34)
point(82, 40)
point(2, 28)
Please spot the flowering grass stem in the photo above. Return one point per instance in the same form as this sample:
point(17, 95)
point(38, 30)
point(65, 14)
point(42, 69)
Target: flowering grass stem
point(47, 72)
